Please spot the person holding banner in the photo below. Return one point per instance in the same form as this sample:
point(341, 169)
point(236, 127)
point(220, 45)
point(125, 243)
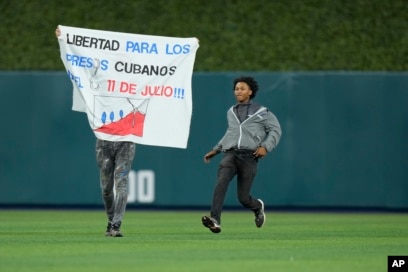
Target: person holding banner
point(115, 162)
point(252, 132)
point(114, 159)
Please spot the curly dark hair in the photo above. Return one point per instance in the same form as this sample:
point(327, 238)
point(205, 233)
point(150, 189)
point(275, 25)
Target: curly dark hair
point(252, 83)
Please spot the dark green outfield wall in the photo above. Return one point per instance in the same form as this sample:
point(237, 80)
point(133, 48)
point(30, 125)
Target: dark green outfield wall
point(344, 143)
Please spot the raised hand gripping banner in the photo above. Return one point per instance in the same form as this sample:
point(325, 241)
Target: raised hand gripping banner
point(132, 87)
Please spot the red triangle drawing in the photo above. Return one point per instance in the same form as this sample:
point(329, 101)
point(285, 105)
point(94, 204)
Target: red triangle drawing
point(132, 124)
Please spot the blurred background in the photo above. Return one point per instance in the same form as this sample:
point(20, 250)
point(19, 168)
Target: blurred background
point(333, 72)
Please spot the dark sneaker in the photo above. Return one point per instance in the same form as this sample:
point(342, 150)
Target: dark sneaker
point(211, 223)
point(108, 229)
point(115, 231)
point(260, 217)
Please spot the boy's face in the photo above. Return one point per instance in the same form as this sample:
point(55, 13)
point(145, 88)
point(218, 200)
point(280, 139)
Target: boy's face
point(242, 92)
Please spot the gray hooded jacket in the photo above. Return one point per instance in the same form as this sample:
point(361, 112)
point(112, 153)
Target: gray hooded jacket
point(261, 128)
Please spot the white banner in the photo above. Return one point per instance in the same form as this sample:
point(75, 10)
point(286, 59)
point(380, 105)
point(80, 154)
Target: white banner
point(132, 87)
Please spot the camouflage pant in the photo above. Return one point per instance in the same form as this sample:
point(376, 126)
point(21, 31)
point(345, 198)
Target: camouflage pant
point(114, 161)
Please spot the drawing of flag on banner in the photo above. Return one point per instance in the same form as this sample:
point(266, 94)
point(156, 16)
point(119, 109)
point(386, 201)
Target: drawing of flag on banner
point(128, 119)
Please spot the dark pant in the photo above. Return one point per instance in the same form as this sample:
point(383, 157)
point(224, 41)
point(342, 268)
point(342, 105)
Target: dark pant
point(115, 161)
point(242, 164)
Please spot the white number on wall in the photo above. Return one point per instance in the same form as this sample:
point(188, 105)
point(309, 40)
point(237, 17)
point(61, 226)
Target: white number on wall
point(141, 186)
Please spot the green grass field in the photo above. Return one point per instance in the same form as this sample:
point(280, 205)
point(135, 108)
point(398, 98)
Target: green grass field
point(72, 240)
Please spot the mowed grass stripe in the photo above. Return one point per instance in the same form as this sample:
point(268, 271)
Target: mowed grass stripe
point(71, 240)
